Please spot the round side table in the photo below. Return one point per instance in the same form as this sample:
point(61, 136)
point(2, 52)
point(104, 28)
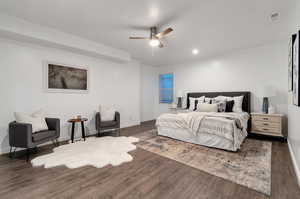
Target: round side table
point(73, 121)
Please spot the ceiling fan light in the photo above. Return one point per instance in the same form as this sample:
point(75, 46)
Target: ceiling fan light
point(154, 42)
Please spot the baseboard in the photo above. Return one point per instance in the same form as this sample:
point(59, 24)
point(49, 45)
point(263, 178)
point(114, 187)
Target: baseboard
point(295, 164)
point(148, 121)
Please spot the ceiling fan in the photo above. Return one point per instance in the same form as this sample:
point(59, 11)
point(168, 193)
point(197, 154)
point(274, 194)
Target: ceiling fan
point(154, 39)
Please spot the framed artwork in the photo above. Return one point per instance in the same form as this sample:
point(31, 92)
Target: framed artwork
point(296, 82)
point(290, 62)
point(65, 78)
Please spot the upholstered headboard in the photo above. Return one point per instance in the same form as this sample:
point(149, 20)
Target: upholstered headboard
point(246, 100)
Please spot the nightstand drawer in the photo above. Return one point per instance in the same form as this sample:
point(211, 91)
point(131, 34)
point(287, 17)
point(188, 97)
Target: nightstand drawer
point(267, 129)
point(266, 124)
point(266, 118)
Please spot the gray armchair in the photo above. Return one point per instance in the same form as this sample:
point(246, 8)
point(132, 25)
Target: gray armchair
point(21, 135)
point(103, 126)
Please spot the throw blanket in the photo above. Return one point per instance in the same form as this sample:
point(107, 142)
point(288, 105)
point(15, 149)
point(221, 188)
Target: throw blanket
point(231, 126)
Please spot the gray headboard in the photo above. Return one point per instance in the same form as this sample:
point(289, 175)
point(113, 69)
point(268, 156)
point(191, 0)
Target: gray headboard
point(246, 106)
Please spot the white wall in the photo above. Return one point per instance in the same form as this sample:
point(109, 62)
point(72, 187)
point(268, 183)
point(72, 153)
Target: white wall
point(149, 92)
point(244, 70)
point(21, 86)
point(294, 111)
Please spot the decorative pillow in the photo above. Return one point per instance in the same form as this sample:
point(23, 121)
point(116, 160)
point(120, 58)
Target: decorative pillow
point(203, 107)
point(238, 101)
point(107, 114)
point(37, 121)
point(194, 101)
point(208, 100)
point(220, 103)
point(229, 106)
point(39, 113)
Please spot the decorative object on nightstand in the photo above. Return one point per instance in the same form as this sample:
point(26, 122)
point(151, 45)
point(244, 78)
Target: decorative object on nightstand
point(271, 110)
point(267, 124)
point(267, 93)
point(179, 96)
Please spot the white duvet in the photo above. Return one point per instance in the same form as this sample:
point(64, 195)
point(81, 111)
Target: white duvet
point(230, 126)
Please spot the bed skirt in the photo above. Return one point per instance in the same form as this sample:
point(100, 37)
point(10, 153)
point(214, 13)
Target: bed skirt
point(201, 139)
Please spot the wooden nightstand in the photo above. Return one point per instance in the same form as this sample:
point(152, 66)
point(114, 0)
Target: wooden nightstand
point(267, 124)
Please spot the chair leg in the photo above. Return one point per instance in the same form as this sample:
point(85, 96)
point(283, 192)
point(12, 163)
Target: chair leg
point(10, 154)
point(14, 153)
point(35, 150)
point(57, 142)
point(27, 154)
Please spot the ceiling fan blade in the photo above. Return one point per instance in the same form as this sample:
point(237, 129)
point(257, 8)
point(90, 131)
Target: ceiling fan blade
point(138, 37)
point(163, 33)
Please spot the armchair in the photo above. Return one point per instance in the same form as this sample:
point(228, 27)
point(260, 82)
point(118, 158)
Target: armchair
point(21, 135)
point(103, 126)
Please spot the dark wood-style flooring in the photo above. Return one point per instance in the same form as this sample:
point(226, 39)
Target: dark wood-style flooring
point(147, 176)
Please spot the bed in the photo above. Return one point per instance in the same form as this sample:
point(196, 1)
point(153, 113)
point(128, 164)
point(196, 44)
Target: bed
point(219, 130)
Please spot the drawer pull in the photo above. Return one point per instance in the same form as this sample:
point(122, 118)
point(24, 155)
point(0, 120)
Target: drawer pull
point(265, 129)
point(266, 124)
point(265, 118)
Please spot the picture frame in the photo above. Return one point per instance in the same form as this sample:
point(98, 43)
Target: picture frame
point(296, 78)
point(66, 78)
point(290, 62)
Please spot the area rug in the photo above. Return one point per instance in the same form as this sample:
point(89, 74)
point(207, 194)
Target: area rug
point(97, 152)
point(250, 166)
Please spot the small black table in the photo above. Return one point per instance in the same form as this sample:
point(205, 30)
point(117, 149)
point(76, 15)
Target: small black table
point(73, 121)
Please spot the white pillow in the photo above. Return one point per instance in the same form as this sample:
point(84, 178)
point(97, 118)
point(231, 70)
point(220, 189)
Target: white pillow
point(38, 122)
point(193, 101)
point(238, 102)
point(203, 107)
point(220, 103)
point(107, 114)
point(208, 100)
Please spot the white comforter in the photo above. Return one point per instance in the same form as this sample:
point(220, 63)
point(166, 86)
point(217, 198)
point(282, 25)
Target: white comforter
point(231, 126)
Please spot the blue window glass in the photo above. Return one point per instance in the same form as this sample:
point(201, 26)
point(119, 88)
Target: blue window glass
point(166, 82)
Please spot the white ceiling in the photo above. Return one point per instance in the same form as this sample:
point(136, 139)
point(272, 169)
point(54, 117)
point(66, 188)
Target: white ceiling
point(212, 26)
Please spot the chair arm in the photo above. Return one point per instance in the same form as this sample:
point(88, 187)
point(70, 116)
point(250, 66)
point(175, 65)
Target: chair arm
point(117, 118)
point(53, 124)
point(98, 120)
point(20, 135)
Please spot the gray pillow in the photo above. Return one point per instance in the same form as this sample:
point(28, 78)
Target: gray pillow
point(220, 103)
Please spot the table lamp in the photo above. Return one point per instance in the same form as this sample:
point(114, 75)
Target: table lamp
point(268, 92)
point(179, 96)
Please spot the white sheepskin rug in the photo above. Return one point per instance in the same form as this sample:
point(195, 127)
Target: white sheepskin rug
point(97, 152)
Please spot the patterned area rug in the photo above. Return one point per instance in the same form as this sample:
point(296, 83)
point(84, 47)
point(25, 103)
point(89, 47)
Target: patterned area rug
point(250, 166)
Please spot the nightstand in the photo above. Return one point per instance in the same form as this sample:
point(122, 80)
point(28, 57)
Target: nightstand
point(267, 124)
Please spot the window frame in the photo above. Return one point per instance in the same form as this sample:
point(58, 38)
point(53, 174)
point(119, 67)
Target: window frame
point(159, 87)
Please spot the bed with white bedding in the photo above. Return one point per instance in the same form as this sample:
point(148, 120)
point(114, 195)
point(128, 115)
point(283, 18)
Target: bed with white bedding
point(224, 130)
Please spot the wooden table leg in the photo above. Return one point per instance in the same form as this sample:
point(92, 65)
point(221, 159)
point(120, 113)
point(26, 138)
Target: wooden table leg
point(82, 130)
point(73, 129)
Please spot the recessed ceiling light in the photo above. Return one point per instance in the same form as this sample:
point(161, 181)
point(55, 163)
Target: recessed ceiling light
point(195, 51)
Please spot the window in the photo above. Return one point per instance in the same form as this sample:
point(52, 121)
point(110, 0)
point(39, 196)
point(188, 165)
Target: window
point(166, 82)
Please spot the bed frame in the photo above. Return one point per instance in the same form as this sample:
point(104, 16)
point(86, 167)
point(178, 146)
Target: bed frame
point(207, 139)
point(246, 106)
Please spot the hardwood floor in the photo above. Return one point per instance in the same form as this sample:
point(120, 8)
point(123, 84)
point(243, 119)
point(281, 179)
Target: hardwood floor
point(147, 176)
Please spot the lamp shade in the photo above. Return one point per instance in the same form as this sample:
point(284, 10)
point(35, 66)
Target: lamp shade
point(179, 93)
